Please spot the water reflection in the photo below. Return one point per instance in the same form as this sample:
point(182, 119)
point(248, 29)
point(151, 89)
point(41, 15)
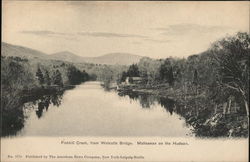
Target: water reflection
point(13, 119)
point(168, 104)
point(146, 101)
point(46, 101)
point(89, 110)
point(187, 112)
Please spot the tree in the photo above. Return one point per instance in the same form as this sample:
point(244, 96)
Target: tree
point(124, 76)
point(171, 76)
point(195, 78)
point(133, 71)
point(179, 69)
point(47, 78)
point(16, 76)
point(39, 75)
point(85, 76)
point(166, 72)
point(75, 76)
point(149, 69)
point(57, 78)
point(107, 77)
point(195, 81)
point(232, 55)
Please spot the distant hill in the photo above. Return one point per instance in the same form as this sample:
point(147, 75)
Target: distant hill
point(114, 58)
point(20, 51)
point(110, 59)
point(66, 56)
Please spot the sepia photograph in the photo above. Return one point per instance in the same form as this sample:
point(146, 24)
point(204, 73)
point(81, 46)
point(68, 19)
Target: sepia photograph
point(128, 69)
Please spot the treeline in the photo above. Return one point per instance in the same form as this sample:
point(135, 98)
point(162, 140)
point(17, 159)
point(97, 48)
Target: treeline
point(221, 71)
point(211, 83)
point(104, 73)
point(19, 74)
point(74, 76)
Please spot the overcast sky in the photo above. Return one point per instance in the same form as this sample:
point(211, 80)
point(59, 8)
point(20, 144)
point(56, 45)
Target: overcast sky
point(154, 29)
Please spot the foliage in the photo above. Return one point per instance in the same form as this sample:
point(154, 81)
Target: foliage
point(149, 69)
point(218, 74)
point(123, 76)
point(133, 71)
point(76, 76)
point(232, 55)
point(47, 78)
point(57, 78)
point(39, 75)
point(195, 78)
point(107, 76)
point(15, 76)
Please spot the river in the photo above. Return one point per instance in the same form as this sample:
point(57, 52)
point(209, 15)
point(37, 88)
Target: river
point(89, 110)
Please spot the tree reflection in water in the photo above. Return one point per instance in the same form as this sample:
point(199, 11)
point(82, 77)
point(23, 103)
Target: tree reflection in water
point(14, 118)
point(46, 101)
point(146, 101)
point(168, 104)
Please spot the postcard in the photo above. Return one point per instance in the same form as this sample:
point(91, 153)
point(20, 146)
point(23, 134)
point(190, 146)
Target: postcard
point(125, 81)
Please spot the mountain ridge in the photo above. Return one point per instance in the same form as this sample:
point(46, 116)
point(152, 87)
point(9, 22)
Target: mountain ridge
point(114, 58)
point(66, 56)
point(109, 58)
point(8, 49)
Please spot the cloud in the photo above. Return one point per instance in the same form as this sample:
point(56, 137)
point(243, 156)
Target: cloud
point(48, 33)
point(110, 35)
point(180, 29)
point(43, 32)
point(73, 36)
point(157, 41)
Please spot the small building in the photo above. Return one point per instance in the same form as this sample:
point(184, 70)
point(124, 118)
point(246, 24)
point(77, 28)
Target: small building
point(133, 80)
point(113, 85)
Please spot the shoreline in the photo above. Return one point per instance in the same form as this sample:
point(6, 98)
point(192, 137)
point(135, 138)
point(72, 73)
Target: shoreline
point(197, 111)
point(36, 93)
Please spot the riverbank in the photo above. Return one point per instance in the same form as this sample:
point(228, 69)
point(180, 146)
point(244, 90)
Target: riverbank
point(158, 90)
point(13, 112)
point(35, 93)
point(198, 110)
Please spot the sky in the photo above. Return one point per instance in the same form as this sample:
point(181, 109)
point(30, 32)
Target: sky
point(153, 29)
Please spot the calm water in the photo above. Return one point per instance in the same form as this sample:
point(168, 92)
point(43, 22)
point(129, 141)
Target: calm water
point(89, 110)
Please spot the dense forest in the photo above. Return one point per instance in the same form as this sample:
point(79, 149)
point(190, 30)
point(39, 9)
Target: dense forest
point(213, 86)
